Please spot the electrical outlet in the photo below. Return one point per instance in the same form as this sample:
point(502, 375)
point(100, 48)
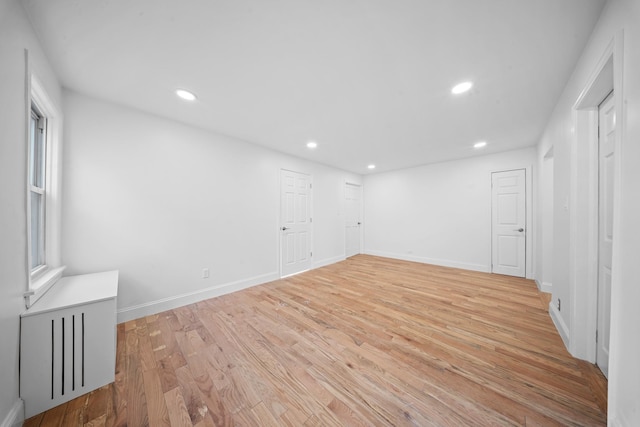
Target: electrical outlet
point(559, 304)
point(205, 273)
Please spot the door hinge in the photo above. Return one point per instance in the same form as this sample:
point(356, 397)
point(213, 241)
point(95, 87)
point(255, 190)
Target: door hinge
point(596, 335)
point(311, 254)
point(310, 185)
point(310, 219)
point(41, 124)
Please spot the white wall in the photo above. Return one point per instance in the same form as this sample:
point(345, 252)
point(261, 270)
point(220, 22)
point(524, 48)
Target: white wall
point(160, 201)
point(16, 35)
point(545, 202)
point(618, 17)
point(440, 213)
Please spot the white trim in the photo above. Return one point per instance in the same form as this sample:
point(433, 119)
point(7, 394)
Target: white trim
point(41, 99)
point(559, 323)
point(615, 371)
point(433, 261)
point(328, 261)
point(42, 284)
point(15, 417)
point(583, 197)
point(546, 287)
point(153, 307)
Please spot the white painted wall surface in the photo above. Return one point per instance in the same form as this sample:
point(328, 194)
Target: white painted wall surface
point(16, 35)
point(624, 372)
point(159, 201)
point(440, 213)
point(545, 200)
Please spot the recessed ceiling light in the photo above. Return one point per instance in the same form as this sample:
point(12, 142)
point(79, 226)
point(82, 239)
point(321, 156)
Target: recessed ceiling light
point(461, 88)
point(371, 166)
point(312, 144)
point(185, 94)
point(480, 144)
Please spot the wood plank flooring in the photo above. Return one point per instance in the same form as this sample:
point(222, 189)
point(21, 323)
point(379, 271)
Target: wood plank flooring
point(366, 342)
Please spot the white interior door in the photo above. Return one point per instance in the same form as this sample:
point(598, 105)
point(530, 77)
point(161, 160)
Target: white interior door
point(508, 218)
point(606, 151)
point(295, 222)
point(353, 196)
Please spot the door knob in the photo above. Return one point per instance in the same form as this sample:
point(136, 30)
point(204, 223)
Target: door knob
point(359, 223)
point(519, 229)
point(284, 228)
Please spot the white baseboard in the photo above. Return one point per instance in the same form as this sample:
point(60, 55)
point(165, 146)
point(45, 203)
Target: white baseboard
point(433, 261)
point(544, 287)
point(559, 323)
point(328, 261)
point(15, 417)
point(153, 307)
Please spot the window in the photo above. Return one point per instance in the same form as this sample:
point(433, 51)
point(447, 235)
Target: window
point(43, 192)
point(37, 190)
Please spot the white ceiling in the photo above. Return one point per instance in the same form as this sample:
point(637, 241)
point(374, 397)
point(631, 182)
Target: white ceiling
point(369, 80)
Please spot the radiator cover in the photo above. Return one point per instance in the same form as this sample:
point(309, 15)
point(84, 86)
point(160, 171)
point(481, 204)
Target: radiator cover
point(68, 341)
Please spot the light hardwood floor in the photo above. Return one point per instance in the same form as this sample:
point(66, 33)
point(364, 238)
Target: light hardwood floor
point(369, 341)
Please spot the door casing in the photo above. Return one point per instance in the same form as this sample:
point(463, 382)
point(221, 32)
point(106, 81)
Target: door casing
point(580, 339)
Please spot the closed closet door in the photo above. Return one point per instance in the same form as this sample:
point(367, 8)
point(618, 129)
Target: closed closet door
point(295, 223)
point(508, 222)
point(353, 221)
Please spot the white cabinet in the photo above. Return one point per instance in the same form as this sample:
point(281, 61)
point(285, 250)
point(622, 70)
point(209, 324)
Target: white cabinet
point(68, 341)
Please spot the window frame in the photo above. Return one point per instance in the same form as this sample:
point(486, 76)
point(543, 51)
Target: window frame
point(42, 277)
point(37, 184)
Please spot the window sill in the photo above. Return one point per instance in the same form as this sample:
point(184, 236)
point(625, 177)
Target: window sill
point(42, 284)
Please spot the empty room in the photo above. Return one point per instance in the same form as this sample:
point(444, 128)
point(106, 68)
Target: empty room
point(319, 213)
